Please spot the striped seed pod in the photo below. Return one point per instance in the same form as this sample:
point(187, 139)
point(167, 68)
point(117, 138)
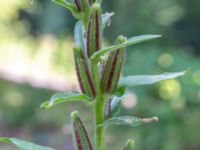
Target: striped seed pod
point(83, 73)
point(80, 133)
point(94, 30)
point(129, 145)
point(112, 69)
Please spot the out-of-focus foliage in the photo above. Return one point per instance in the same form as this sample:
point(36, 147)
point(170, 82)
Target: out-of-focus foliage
point(32, 41)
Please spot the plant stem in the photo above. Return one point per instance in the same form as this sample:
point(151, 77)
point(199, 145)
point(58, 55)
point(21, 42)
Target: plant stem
point(99, 109)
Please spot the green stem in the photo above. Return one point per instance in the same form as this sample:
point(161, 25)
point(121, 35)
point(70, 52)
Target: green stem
point(99, 110)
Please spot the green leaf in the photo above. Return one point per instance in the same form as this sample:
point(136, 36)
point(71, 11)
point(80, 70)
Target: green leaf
point(147, 79)
point(128, 120)
point(134, 40)
point(69, 6)
point(65, 97)
point(23, 145)
point(79, 35)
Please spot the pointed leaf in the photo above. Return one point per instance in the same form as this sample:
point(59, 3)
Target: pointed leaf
point(128, 120)
point(80, 133)
point(134, 40)
point(79, 35)
point(23, 145)
point(65, 97)
point(65, 4)
point(113, 106)
point(129, 145)
point(147, 79)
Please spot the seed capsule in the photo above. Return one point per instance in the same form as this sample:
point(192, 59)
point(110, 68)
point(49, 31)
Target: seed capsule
point(80, 133)
point(94, 30)
point(112, 68)
point(83, 73)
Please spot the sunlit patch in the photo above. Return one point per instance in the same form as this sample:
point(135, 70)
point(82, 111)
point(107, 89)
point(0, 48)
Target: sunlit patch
point(165, 60)
point(169, 89)
point(179, 103)
point(196, 77)
point(130, 101)
point(14, 99)
point(169, 15)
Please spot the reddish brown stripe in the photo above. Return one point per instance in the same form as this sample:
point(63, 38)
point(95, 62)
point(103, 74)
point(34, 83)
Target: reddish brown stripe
point(103, 72)
point(88, 38)
point(78, 138)
point(79, 77)
point(112, 71)
point(97, 32)
point(109, 108)
point(122, 62)
point(86, 134)
point(78, 5)
point(89, 77)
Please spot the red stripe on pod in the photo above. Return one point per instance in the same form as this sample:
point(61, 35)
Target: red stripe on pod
point(82, 139)
point(83, 72)
point(112, 69)
point(94, 30)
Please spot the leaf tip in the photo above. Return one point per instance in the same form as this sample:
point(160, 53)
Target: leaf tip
point(149, 120)
point(45, 105)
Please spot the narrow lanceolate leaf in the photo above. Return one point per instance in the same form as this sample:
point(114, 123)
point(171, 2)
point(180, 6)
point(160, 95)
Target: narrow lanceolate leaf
point(112, 69)
point(79, 35)
point(83, 73)
point(66, 97)
point(147, 79)
point(113, 106)
point(129, 145)
point(128, 120)
point(134, 40)
point(23, 145)
point(66, 4)
point(80, 133)
point(94, 30)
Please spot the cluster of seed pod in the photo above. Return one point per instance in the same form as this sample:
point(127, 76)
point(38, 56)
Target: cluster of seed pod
point(109, 72)
point(111, 69)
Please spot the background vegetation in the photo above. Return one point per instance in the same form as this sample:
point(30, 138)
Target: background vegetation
point(36, 60)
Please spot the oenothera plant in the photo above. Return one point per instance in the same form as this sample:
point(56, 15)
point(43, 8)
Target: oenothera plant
point(98, 71)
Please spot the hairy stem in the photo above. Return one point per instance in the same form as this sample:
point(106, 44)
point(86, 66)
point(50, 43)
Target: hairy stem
point(99, 109)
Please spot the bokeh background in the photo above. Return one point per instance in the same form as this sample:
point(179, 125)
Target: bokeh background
point(36, 61)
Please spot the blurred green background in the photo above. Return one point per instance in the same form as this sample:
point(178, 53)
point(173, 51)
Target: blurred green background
point(36, 61)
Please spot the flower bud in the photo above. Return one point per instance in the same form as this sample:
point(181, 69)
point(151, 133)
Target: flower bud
point(112, 68)
point(80, 133)
point(94, 30)
point(83, 73)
